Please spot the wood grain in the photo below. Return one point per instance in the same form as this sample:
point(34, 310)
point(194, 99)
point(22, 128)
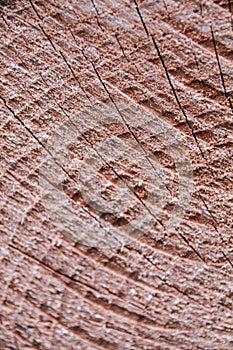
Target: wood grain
point(63, 63)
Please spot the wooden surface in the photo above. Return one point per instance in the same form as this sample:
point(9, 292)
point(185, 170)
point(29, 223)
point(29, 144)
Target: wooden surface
point(89, 181)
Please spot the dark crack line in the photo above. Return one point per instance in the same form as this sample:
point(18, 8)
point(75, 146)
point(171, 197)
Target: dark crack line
point(226, 257)
point(180, 107)
point(230, 10)
point(124, 54)
point(130, 130)
point(166, 8)
point(122, 116)
point(5, 21)
point(176, 97)
point(185, 115)
point(220, 71)
point(35, 10)
point(196, 61)
point(214, 224)
point(50, 154)
point(164, 280)
point(47, 36)
point(109, 165)
point(74, 75)
point(97, 14)
point(190, 245)
point(62, 168)
point(106, 163)
point(113, 170)
point(201, 8)
point(65, 60)
point(141, 18)
point(72, 283)
point(171, 84)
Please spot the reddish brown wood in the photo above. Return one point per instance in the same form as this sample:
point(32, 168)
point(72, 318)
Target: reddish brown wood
point(63, 289)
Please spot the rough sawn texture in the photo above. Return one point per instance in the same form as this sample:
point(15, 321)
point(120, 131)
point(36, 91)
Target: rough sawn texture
point(160, 290)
